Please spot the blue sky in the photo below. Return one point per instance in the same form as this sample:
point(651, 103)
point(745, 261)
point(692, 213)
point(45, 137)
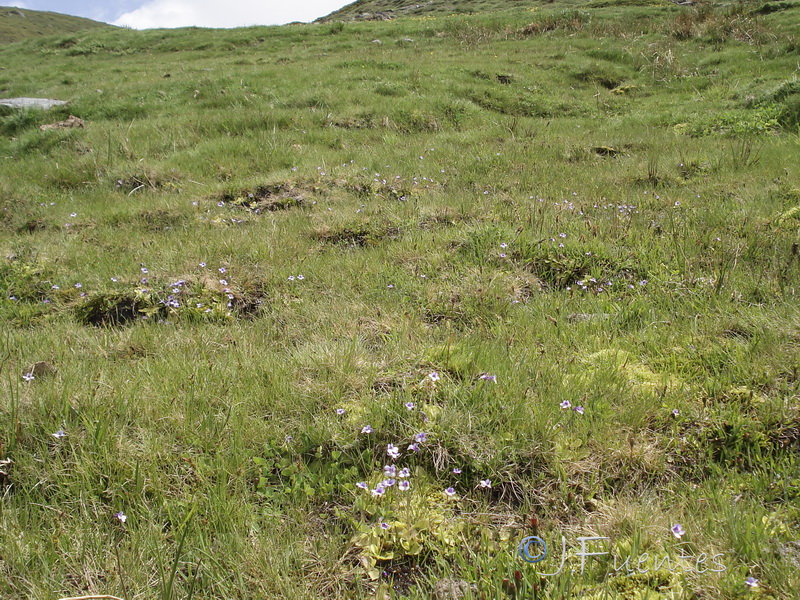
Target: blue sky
point(144, 14)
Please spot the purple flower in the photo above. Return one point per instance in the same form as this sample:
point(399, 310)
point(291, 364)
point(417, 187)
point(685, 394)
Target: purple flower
point(390, 470)
point(486, 483)
point(379, 490)
point(366, 429)
point(565, 404)
point(434, 376)
point(579, 410)
point(409, 406)
point(421, 437)
point(413, 447)
point(59, 434)
point(144, 270)
point(457, 471)
point(403, 486)
point(340, 411)
point(393, 451)
point(504, 245)
point(488, 377)
point(450, 491)
point(387, 483)
point(362, 485)
point(751, 582)
point(384, 526)
point(28, 377)
point(78, 285)
point(404, 472)
point(675, 412)
point(222, 269)
point(121, 517)
point(677, 530)
point(202, 265)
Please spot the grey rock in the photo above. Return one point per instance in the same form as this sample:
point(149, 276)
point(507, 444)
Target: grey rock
point(790, 552)
point(40, 103)
point(452, 589)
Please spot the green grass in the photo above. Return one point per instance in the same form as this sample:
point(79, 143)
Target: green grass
point(595, 205)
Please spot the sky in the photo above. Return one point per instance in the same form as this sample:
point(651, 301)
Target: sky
point(148, 14)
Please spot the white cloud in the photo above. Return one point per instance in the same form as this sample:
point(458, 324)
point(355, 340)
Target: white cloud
point(222, 13)
point(19, 4)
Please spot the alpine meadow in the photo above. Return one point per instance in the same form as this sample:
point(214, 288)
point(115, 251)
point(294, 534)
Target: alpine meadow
point(460, 299)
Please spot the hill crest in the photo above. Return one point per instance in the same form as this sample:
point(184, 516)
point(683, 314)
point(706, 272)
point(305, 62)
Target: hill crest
point(17, 24)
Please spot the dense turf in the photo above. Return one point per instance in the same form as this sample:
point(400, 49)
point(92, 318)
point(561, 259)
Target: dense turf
point(275, 257)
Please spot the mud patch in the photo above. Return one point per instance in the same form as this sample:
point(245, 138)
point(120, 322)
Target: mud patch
point(160, 220)
point(359, 235)
point(32, 226)
point(113, 309)
point(71, 122)
point(266, 198)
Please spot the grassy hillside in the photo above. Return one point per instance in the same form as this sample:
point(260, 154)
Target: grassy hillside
point(352, 310)
point(392, 9)
point(17, 24)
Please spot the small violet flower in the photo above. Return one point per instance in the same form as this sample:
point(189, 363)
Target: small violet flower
point(457, 471)
point(409, 406)
point(393, 451)
point(121, 517)
point(751, 582)
point(404, 486)
point(579, 410)
point(59, 434)
point(566, 404)
point(366, 429)
point(362, 485)
point(450, 491)
point(486, 483)
point(677, 530)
